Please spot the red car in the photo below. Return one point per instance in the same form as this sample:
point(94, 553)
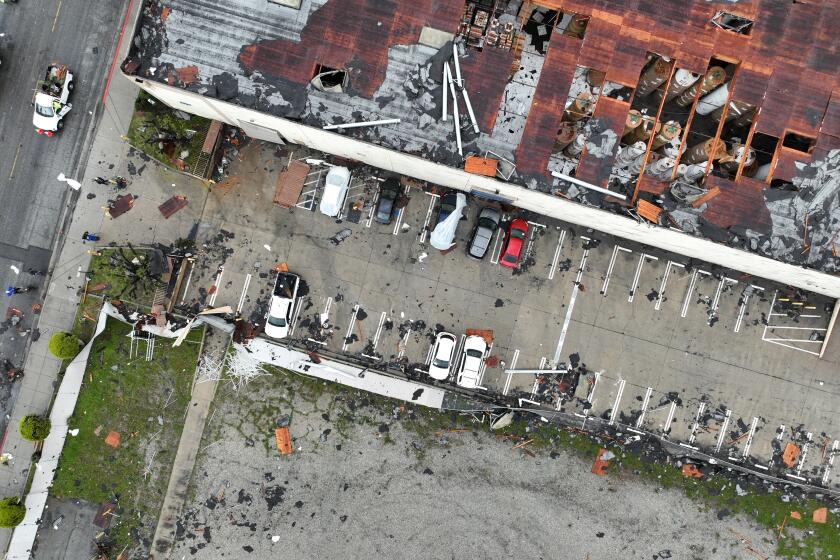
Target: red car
point(517, 233)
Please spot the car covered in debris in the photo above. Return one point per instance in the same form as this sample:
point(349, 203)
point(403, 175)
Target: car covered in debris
point(282, 307)
point(516, 236)
point(472, 358)
point(443, 236)
point(51, 100)
point(485, 227)
point(388, 194)
point(447, 204)
point(442, 353)
point(335, 191)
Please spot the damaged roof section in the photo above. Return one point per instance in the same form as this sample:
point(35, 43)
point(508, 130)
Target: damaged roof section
point(723, 122)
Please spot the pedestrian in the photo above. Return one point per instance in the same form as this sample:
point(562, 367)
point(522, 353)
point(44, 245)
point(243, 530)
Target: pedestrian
point(87, 236)
point(101, 180)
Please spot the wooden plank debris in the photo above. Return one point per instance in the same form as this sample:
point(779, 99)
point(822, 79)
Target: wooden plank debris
point(283, 440)
point(648, 211)
point(290, 184)
point(481, 166)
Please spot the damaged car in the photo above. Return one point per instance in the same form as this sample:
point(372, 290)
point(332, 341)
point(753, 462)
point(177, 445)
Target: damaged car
point(282, 308)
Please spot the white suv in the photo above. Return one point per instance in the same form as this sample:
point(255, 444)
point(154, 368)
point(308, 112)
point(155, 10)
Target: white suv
point(282, 308)
point(335, 191)
point(472, 359)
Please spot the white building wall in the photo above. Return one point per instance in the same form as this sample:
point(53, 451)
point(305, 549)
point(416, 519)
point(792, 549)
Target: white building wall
point(542, 203)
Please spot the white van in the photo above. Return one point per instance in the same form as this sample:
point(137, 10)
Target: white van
point(335, 191)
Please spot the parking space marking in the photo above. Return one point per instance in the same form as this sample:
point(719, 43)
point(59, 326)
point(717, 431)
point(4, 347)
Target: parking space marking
point(668, 421)
point(376, 336)
point(575, 289)
point(404, 342)
point(425, 231)
point(716, 300)
point(590, 397)
point(244, 294)
point(830, 464)
point(533, 233)
point(745, 298)
point(557, 252)
point(325, 318)
point(804, 454)
point(369, 220)
point(691, 286)
point(309, 203)
point(645, 403)
point(614, 413)
point(608, 277)
point(644, 257)
point(661, 294)
point(750, 437)
point(789, 342)
point(696, 424)
point(483, 367)
point(722, 432)
point(296, 314)
point(349, 332)
point(400, 214)
point(219, 273)
point(510, 372)
point(496, 253)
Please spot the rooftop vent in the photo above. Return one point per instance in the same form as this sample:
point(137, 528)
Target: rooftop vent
point(732, 22)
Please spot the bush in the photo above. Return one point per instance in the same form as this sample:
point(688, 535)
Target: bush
point(11, 512)
point(64, 346)
point(35, 428)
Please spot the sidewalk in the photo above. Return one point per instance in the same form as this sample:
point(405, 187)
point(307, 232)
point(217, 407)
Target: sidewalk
point(143, 224)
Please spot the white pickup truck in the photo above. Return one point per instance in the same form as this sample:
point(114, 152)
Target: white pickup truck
point(51, 100)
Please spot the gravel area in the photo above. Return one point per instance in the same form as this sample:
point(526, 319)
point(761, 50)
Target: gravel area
point(364, 484)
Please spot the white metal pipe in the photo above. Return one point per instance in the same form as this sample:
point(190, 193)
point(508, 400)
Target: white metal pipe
point(457, 64)
point(470, 110)
point(455, 114)
point(360, 124)
point(444, 93)
point(586, 185)
point(713, 100)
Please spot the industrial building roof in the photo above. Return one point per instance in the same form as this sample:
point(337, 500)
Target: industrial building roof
point(536, 71)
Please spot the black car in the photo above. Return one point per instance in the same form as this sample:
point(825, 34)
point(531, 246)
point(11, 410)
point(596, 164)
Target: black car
point(387, 200)
point(447, 205)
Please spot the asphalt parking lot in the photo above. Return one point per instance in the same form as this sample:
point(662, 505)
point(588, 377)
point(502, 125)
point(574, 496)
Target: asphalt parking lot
point(708, 356)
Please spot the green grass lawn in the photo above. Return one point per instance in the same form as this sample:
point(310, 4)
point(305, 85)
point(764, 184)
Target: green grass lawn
point(130, 400)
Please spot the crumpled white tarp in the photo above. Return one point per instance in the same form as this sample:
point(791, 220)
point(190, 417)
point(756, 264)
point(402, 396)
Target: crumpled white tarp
point(444, 232)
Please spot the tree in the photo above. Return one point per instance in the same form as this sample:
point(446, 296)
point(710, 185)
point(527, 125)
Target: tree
point(34, 427)
point(11, 512)
point(64, 345)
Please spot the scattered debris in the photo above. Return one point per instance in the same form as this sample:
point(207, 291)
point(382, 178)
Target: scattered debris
point(113, 439)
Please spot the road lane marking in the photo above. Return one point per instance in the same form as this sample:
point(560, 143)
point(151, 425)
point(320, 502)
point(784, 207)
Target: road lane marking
point(14, 163)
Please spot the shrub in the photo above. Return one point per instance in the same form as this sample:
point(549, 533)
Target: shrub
point(11, 512)
point(64, 346)
point(35, 428)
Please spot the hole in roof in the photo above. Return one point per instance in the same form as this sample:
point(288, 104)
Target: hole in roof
point(328, 79)
point(799, 142)
point(732, 22)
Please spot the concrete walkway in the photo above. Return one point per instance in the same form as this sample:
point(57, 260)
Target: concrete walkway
point(215, 345)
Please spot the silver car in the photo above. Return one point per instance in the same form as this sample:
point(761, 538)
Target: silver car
point(485, 227)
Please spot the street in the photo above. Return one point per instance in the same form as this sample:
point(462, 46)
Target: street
point(81, 34)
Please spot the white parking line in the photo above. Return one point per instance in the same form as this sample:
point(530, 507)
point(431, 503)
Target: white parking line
point(644, 257)
point(645, 403)
point(716, 299)
point(590, 397)
point(244, 294)
point(404, 343)
point(557, 252)
point(667, 428)
point(661, 295)
point(219, 273)
point(696, 424)
point(483, 367)
point(350, 328)
point(830, 464)
point(372, 209)
point(802, 457)
point(296, 314)
point(690, 292)
point(745, 298)
point(608, 276)
point(530, 247)
point(750, 437)
point(425, 231)
point(376, 336)
point(722, 432)
point(400, 214)
point(575, 289)
point(497, 247)
point(620, 392)
point(510, 372)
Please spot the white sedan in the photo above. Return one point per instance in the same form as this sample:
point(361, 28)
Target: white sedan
point(442, 353)
point(472, 359)
point(335, 191)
